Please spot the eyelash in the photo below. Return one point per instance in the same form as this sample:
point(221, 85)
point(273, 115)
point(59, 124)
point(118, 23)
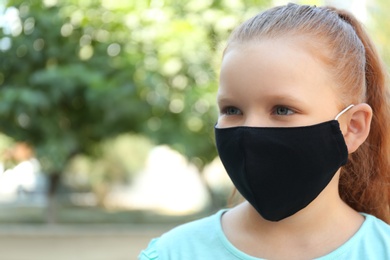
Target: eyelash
point(225, 110)
point(290, 111)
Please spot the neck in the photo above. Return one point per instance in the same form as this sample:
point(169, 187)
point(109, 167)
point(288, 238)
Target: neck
point(318, 229)
point(304, 225)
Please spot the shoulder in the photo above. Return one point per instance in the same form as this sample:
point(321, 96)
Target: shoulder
point(188, 239)
point(377, 229)
point(372, 241)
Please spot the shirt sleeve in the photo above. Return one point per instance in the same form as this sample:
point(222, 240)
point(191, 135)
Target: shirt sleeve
point(150, 253)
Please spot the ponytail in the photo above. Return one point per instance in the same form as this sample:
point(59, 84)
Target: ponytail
point(365, 180)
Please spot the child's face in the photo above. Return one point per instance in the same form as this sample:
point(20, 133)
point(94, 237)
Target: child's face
point(275, 83)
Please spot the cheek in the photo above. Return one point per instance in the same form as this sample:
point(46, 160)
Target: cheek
point(228, 121)
point(222, 122)
point(345, 132)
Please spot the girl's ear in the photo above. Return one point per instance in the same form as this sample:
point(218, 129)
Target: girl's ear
point(357, 126)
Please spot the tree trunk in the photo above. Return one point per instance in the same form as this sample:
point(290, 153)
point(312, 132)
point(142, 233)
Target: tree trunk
point(51, 203)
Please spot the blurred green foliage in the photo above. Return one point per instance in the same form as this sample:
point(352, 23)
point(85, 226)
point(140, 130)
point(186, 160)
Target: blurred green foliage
point(77, 74)
point(380, 27)
point(74, 73)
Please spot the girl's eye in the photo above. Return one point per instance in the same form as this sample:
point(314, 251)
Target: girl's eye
point(232, 111)
point(283, 111)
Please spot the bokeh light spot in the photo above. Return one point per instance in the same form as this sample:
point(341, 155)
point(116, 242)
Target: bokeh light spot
point(113, 49)
point(176, 106)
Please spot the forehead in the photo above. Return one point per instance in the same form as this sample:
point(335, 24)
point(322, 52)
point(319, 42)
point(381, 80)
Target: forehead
point(281, 64)
point(289, 55)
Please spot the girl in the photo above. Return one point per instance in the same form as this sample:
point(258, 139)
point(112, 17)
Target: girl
point(303, 133)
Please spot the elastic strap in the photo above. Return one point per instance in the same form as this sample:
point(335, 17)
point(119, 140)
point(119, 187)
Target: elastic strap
point(345, 110)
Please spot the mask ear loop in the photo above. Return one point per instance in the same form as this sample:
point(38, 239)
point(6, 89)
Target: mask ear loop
point(342, 112)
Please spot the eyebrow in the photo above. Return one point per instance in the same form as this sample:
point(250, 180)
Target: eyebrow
point(223, 98)
point(286, 97)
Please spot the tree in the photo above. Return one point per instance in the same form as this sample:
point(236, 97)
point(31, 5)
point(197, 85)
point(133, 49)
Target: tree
point(78, 72)
point(379, 26)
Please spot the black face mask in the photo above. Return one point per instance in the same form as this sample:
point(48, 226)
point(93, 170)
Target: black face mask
point(281, 170)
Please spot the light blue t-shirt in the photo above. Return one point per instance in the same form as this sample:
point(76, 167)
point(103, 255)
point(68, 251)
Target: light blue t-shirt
point(204, 240)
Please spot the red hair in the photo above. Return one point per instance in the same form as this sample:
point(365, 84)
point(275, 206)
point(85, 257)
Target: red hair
point(337, 39)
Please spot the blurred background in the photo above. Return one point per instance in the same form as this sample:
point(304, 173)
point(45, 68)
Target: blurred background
point(107, 111)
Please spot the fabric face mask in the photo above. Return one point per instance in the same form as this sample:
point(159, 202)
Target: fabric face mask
point(281, 170)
